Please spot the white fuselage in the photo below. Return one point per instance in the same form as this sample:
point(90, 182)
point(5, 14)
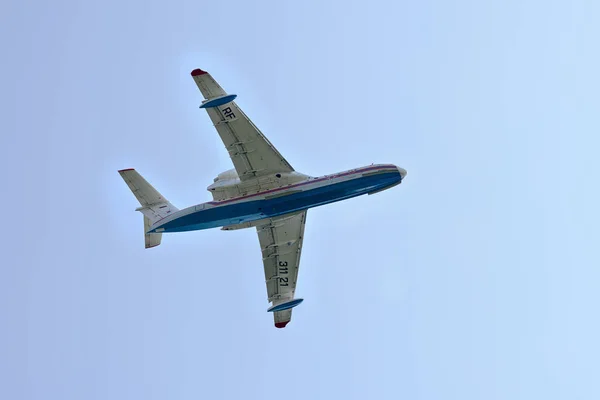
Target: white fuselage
point(248, 201)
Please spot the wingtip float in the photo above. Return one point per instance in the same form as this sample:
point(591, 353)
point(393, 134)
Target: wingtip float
point(285, 306)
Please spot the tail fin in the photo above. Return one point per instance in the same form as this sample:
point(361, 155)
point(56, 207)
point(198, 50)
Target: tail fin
point(153, 205)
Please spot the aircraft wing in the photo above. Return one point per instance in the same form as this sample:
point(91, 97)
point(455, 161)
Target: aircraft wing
point(251, 152)
point(281, 245)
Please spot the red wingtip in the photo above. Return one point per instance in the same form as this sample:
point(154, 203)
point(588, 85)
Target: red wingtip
point(127, 169)
point(198, 71)
point(281, 324)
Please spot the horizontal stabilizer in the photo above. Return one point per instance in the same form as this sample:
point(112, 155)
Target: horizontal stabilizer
point(153, 205)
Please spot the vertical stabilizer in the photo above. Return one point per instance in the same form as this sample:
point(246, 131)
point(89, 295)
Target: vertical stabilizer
point(150, 239)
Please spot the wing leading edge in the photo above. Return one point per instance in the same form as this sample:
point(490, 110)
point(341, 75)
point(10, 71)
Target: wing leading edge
point(250, 151)
point(281, 246)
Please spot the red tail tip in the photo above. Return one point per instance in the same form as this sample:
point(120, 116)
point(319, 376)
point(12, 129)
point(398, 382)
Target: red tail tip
point(197, 72)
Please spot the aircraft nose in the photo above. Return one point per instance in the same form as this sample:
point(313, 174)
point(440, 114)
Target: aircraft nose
point(402, 172)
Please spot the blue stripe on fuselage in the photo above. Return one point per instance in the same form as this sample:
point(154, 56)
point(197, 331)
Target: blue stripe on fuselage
point(258, 209)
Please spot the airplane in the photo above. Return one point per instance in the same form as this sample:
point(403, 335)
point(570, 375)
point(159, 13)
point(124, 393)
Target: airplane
point(261, 191)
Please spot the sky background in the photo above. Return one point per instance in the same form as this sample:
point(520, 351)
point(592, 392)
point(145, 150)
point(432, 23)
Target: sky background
point(477, 278)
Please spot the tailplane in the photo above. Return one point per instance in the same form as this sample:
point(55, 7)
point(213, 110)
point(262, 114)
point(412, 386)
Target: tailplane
point(153, 205)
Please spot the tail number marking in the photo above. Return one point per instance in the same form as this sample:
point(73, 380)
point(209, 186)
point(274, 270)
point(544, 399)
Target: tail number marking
point(283, 270)
point(228, 113)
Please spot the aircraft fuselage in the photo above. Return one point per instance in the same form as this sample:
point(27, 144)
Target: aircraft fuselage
point(295, 197)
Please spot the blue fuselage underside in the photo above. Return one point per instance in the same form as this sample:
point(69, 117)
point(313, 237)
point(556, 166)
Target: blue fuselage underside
point(295, 201)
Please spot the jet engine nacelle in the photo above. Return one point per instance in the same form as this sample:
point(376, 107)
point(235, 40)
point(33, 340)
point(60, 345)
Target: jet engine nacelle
point(230, 174)
point(225, 185)
point(228, 184)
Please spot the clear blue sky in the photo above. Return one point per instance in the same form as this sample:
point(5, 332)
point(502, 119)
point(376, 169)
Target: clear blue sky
point(475, 279)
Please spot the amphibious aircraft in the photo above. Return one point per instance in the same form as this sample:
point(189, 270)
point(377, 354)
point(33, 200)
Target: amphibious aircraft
point(261, 191)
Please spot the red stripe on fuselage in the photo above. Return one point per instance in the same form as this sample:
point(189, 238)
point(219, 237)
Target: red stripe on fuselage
point(381, 167)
